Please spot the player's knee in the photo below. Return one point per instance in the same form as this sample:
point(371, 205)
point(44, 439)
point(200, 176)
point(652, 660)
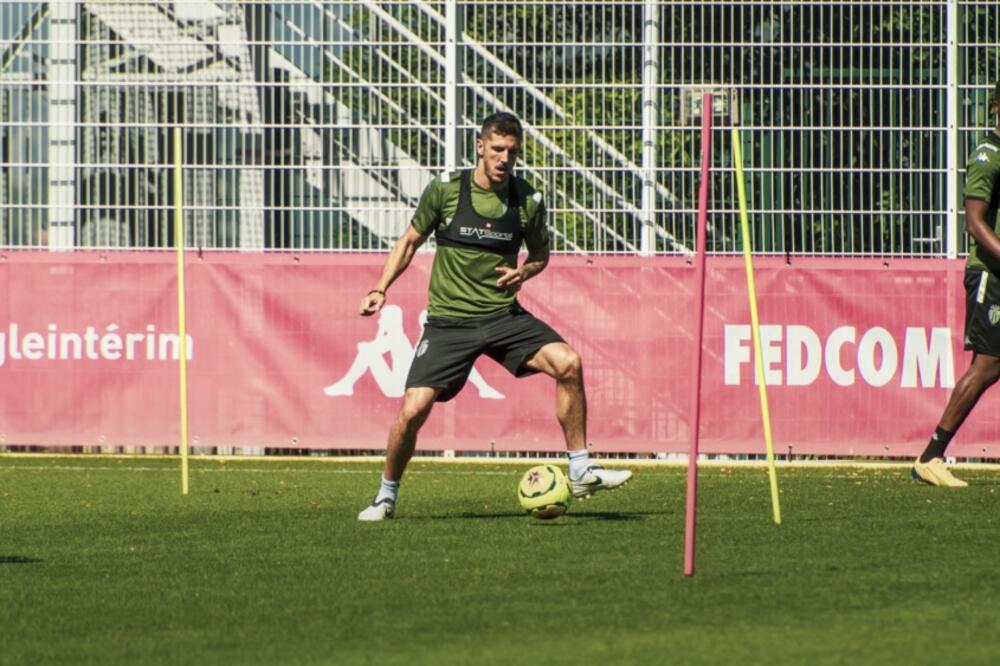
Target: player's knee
point(409, 420)
point(991, 375)
point(414, 411)
point(569, 365)
point(410, 414)
point(985, 371)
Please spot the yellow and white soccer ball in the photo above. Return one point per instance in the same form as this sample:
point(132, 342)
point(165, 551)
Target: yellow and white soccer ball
point(544, 492)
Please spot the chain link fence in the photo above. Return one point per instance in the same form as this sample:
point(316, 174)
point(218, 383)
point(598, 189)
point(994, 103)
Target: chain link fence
point(316, 125)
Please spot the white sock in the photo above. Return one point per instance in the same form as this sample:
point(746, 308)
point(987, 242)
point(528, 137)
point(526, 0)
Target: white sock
point(388, 489)
point(578, 462)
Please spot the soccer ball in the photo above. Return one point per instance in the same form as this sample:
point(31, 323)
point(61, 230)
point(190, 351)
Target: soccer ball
point(544, 492)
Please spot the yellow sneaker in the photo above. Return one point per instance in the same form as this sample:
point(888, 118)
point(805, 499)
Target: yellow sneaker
point(936, 474)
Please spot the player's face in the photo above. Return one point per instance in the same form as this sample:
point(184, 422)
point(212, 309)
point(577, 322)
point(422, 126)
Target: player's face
point(498, 153)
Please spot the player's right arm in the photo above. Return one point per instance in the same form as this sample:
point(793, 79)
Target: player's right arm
point(399, 258)
point(425, 220)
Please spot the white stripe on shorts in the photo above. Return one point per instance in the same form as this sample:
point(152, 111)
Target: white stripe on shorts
point(981, 294)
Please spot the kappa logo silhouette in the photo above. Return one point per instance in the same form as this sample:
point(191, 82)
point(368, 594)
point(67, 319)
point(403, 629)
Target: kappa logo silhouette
point(391, 341)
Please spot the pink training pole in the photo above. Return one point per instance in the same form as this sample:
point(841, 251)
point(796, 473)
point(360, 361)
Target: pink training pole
point(692, 479)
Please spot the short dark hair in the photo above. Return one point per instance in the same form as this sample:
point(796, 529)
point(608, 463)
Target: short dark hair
point(996, 93)
point(505, 124)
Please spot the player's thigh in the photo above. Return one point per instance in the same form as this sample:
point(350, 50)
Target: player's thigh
point(986, 368)
point(443, 358)
point(514, 341)
point(417, 403)
point(556, 359)
point(982, 314)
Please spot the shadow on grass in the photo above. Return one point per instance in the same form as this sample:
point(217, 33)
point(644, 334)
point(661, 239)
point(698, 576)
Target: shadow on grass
point(569, 518)
point(992, 481)
point(614, 515)
point(793, 567)
point(18, 559)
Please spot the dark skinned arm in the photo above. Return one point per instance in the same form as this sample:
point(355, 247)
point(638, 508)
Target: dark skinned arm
point(978, 228)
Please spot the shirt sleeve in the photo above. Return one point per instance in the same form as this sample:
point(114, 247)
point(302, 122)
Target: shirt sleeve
point(536, 233)
point(980, 178)
point(428, 214)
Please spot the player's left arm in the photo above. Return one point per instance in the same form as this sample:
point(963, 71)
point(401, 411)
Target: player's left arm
point(534, 263)
point(980, 179)
point(537, 239)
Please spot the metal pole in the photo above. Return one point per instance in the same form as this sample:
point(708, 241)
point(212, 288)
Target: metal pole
point(61, 71)
point(181, 303)
point(765, 411)
point(650, 77)
point(691, 507)
point(452, 92)
point(952, 134)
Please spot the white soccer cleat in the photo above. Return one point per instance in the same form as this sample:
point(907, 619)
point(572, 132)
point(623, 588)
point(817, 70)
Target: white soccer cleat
point(597, 478)
point(383, 509)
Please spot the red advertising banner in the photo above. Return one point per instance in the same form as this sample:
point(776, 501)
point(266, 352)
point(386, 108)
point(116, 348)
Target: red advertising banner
point(859, 354)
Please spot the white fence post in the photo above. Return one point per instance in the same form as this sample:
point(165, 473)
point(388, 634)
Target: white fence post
point(650, 117)
point(453, 78)
point(62, 124)
point(951, 133)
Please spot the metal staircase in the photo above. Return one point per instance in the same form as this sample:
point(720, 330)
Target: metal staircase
point(367, 154)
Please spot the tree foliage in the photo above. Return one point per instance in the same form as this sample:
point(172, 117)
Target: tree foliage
point(842, 107)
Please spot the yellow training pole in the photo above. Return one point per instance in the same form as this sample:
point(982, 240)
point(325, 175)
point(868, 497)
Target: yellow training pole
point(181, 307)
point(755, 322)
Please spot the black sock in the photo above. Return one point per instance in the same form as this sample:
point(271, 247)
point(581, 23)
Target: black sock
point(937, 445)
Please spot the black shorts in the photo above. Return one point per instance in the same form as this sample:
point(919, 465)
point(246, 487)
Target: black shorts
point(449, 347)
point(982, 312)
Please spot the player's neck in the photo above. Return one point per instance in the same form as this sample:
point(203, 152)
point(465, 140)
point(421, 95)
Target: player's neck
point(479, 177)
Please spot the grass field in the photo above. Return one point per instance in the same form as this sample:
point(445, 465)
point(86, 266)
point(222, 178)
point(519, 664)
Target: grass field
point(102, 561)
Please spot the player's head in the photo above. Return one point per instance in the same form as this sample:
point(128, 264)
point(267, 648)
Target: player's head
point(498, 145)
point(505, 124)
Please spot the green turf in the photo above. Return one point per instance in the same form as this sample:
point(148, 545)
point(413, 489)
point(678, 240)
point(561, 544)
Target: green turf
point(102, 561)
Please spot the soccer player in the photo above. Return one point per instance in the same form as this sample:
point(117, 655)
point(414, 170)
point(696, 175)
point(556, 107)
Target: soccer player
point(479, 219)
point(982, 305)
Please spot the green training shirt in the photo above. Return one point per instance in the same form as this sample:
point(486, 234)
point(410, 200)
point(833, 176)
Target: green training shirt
point(982, 181)
point(463, 280)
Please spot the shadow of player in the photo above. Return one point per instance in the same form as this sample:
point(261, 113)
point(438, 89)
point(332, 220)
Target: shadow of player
point(572, 516)
point(18, 559)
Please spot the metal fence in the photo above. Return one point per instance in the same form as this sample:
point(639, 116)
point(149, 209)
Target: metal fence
point(316, 125)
